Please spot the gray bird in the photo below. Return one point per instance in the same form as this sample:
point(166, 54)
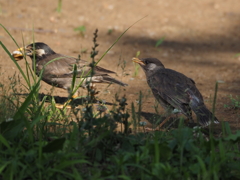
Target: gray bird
point(175, 90)
point(59, 72)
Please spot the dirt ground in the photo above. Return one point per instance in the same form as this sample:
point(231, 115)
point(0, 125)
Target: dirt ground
point(201, 41)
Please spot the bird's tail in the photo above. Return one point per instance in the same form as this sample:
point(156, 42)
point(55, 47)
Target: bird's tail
point(109, 79)
point(204, 116)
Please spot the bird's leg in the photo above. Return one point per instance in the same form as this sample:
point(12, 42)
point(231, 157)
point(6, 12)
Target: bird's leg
point(159, 126)
point(153, 129)
point(75, 95)
point(169, 112)
point(93, 91)
point(189, 117)
point(164, 121)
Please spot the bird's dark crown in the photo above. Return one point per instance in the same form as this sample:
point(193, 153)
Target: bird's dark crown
point(155, 61)
point(40, 48)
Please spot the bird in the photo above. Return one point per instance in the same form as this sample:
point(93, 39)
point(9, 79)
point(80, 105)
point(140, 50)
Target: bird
point(174, 90)
point(58, 69)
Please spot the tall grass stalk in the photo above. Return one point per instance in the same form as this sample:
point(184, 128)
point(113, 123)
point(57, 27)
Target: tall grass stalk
point(59, 7)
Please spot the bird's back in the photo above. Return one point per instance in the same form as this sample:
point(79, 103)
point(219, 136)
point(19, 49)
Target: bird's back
point(174, 85)
point(62, 66)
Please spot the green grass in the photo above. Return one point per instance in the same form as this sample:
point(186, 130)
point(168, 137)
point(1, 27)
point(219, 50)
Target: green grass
point(43, 142)
point(81, 30)
point(59, 7)
point(136, 66)
point(159, 42)
point(234, 102)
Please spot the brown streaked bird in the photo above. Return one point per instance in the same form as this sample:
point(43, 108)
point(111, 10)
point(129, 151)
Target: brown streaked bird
point(175, 90)
point(59, 72)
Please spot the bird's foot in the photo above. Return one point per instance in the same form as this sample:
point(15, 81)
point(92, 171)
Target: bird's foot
point(61, 106)
point(93, 94)
point(153, 129)
point(162, 123)
point(67, 103)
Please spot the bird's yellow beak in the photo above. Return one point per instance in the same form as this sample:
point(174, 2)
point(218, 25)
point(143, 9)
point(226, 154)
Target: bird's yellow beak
point(136, 60)
point(18, 54)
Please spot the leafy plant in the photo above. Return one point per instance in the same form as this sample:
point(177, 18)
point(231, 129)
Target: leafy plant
point(59, 8)
point(159, 42)
point(84, 50)
point(235, 102)
point(237, 55)
point(110, 31)
point(9, 100)
point(81, 30)
point(136, 65)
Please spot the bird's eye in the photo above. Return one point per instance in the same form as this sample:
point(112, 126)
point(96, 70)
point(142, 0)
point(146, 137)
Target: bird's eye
point(28, 51)
point(146, 62)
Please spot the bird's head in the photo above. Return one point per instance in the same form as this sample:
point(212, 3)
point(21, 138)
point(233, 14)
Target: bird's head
point(149, 64)
point(36, 50)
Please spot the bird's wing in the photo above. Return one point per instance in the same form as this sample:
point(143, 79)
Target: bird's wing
point(62, 67)
point(175, 88)
point(99, 71)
